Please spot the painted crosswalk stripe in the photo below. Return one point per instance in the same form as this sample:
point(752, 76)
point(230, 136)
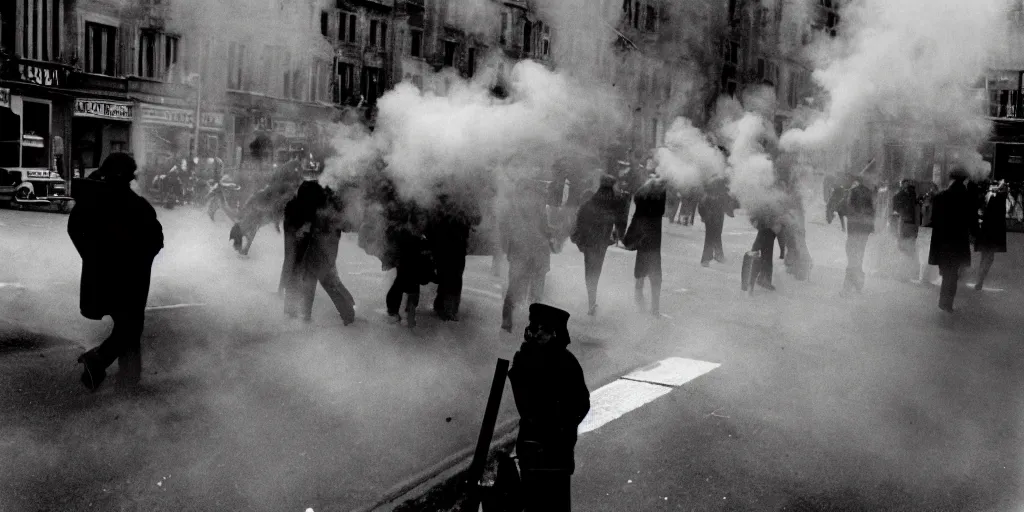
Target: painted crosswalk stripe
point(640, 388)
point(174, 306)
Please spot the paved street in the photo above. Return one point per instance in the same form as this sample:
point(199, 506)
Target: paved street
point(819, 403)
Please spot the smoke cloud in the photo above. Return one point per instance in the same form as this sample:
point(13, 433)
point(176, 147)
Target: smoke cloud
point(910, 63)
point(688, 158)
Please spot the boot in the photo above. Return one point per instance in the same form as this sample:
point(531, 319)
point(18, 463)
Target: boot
point(638, 293)
point(129, 371)
point(506, 316)
point(410, 315)
point(93, 372)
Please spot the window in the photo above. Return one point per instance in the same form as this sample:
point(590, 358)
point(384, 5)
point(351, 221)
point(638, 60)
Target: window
point(147, 54)
point(325, 24)
point(651, 21)
point(383, 35)
point(373, 32)
point(449, 53)
point(636, 15)
point(319, 83)
point(731, 52)
point(372, 86)
point(42, 24)
point(506, 27)
point(170, 55)
point(346, 27)
point(236, 66)
point(286, 81)
point(546, 41)
point(8, 12)
point(471, 62)
point(100, 45)
point(416, 43)
point(527, 37)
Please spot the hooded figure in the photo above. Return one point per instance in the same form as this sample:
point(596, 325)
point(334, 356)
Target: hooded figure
point(117, 234)
point(859, 226)
point(954, 219)
point(717, 203)
point(552, 399)
point(448, 228)
point(599, 223)
point(644, 236)
point(299, 214)
point(992, 234)
point(527, 241)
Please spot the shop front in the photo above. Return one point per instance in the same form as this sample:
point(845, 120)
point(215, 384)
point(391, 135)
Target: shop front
point(99, 127)
point(164, 135)
point(25, 131)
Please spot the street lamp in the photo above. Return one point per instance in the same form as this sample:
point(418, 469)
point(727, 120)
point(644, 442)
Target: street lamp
point(195, 80)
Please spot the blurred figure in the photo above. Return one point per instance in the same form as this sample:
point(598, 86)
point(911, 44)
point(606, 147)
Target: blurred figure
point(797, 256)
point(717, 203)
point(599, 223)
point(299, 214)
point(117, 234)
point(408, 252)
point(859, 226)
point(905, 222)
point(837, 204)
point(992, 233)
point(527, 241)
point(688, 204)
point(317, 257)
point(768, 226)
point(448, 229)
point(552, 399)
point(673, 201)
point(644, 236)
point(954, 219)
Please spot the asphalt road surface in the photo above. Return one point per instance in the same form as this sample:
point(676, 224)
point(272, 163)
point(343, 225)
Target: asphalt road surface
point(878, 401)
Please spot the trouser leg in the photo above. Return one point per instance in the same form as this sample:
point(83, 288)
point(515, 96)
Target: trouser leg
point(515, 291)
point(546, 491)
point(393, 299)
point(856, 244)
point(307, 292)
point(537, 279)
point(593, 261)
point(126, 344)
point(765, 243)
point(984, 265)
point(339, 295)
point(709, 246)
point(950, 276)
point(290, 242)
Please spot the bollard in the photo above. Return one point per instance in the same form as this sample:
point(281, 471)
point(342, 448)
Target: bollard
point(483, 443)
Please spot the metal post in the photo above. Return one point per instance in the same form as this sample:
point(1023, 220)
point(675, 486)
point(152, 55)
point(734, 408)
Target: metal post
point(483, 443)
point(198, 84)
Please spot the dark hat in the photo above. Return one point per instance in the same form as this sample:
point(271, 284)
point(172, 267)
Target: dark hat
point(549, 316)
point(608, 181)
point(958, 174)
point(118, 167)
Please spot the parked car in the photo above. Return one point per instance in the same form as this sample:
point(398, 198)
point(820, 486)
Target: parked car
point(33, 187)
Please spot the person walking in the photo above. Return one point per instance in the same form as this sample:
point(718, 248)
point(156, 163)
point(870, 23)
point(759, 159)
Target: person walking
point(992, 233)
point(407, 251)
point(448, 228)
point(318, 261)
point(527, 241)
point(860, 224)
point(713, 208)
point(599, 223)
point(768, 226)
point(954, 219)
point(644, 236)
point(906, 217)
point(299, 215)
point(552, 399)
point(117, 234)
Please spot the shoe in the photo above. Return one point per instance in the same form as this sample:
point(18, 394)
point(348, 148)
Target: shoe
point(394, 318)
point(767, 286)
point(347, 320)
point(410, 318)
point(92, 374)
point(506, 325)
point(947, 309)
point(978, 287)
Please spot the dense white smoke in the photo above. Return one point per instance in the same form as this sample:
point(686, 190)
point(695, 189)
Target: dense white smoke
point(907, 63)
point(688, 158)
point(423, 137)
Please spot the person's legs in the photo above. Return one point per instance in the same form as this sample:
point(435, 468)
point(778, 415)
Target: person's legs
point(290, 241)
point(515, 291)
point(128, 327)
point(307, 293)
point(716, 243)
point(950, 276)
point(765, 242)
point(654, 273)
point(856, 243)
point(984, 265)
point(393, 299)
point(709, 246)
point(339, 295)
point(593, 261)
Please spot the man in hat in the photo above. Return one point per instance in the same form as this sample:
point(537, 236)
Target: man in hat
point(599, 223)
point(527, 241)
point(552, 399)
point(859, 226)
point(117, 234)
point(906, 219)
point(954, 219)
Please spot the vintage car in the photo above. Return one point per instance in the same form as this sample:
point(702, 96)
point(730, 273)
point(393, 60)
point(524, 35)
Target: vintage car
point(26, 187)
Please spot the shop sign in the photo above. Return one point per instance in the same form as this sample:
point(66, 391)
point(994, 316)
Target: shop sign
point(212, 120)
point(290, 129)
point(5, 97)
point(40, 76)
point(103, 109)
point(166, 116)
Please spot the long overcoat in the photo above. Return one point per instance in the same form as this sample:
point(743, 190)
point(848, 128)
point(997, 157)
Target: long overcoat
point(953, 221)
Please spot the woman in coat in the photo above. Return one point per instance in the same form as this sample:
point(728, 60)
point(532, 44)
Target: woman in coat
point(992, 233)
point(644, 236)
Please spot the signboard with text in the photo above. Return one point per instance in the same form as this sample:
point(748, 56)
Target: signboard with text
point(102, 109)
point(179, 117)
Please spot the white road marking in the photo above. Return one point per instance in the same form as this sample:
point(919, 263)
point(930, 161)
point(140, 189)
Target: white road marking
point(639, 388)
point(16, 286)
point(674, 371)
point(175, 306)
point(618, 398)
point(984, 289)
point(485, 293)
point(681, 290)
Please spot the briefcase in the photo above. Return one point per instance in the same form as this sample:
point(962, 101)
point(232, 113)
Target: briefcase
point(750, 271)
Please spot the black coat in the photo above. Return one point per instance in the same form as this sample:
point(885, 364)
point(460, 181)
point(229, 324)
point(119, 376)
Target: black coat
point(906, 212)
point(953, 221)
point(552, 399)
point(449, 224)
point(604, 212)
point(644, 232)
point(715, 206)
point(117, 234)
point(861, 210)
point(992, 234)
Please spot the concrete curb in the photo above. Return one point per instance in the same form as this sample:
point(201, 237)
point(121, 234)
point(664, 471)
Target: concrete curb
point(445, 473)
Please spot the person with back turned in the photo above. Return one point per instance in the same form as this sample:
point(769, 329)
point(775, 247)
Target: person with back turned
point(992, 232)
point(859, 226)
point(528, 241)
point(713, 208)
point(599, 223)
point(448, 227)
point(117, 234)
point(644, 236)
point(953, 222)
point(552, 399)
point(318, 261)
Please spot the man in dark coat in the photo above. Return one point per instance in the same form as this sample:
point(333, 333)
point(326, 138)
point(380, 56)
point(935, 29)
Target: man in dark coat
point(552, 399)
point(599, 223)
point(527, 240)
point(644, 236)
point(954, 219)
point(117, 234)
point(906, 219)
point(717, 203)
point(448, 227)
point(318, 261)
point(859, 226)
point(768, 225)
point(299, 215)
point(992, 234)
point(407, 252)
